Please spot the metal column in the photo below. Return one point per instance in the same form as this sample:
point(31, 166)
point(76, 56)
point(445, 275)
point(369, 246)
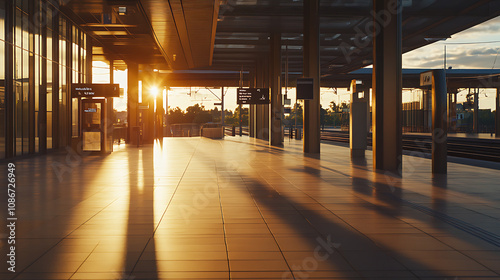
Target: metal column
point(452, 110)
point(476, 111)
point(439, 122)
point(265, 107)
point(259, 79)
point(497, 114)
point(251, 110)
point(132, 98)
point(159, 114)
point(357, 118)
point(387, 86)
point(222, 109)
point(312, 70)
point(276, 97)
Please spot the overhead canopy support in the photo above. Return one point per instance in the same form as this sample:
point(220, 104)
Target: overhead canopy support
point(312, 70)
point(439, 123)
point(132, 99)
point(276, 98)
point(387, 86)
point(497, 112)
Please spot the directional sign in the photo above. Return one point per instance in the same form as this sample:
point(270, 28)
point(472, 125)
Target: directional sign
point(305, 88)
point(253, 96)
point(426, 79)
point(95, 90)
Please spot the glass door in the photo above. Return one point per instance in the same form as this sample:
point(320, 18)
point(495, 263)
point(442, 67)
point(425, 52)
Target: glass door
point(92, 125)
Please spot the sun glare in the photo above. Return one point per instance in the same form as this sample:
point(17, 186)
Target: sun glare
point(154, 91)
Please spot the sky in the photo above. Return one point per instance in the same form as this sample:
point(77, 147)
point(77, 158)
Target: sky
point(477, 47)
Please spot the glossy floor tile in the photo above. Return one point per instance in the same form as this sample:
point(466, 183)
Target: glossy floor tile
point(193, 208)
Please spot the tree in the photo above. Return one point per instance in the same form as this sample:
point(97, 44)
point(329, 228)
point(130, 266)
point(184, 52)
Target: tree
point(322, 115)
point(175, 116)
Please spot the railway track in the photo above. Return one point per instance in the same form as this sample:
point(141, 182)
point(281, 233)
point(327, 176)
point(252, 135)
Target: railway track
point(473, 148)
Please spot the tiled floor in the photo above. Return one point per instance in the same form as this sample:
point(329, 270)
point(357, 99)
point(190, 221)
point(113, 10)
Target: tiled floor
point(194, 208)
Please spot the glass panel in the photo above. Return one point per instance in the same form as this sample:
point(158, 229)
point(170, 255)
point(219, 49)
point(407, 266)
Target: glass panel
point(92, 126)
point(74, 118)
point(91, 141)
point(92, 116)
point(49, 130)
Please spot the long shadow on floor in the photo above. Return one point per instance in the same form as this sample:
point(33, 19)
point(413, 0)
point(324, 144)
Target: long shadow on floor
point(361, 253)
point(141, 221)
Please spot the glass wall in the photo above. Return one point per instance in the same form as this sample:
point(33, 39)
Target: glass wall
point(49, 54)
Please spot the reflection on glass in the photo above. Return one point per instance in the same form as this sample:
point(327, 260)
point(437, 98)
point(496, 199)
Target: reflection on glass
point(91, 123)
point(74, 118)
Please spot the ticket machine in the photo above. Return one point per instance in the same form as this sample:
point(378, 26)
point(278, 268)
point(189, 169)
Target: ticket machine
point(95, 116)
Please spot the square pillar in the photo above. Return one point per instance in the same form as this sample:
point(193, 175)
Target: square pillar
point(312, 70)
point(265, 107)
point(159, 114)
point(387, 86)
point(276, 97)
point(452, 110)
point(252, 109)
point(497, 114)
point(358, 124)
point(132, 99)
point(259, 82)
point(439, 123)
point(476, 112)
point(251, 121)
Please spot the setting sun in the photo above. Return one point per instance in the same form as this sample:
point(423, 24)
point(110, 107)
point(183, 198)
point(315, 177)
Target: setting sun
point(154, 91)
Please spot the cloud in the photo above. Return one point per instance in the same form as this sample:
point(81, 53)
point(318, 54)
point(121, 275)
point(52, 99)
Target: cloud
point(483, 51)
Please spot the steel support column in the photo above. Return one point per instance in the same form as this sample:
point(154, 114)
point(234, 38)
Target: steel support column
point(276, 97)
point(476, 111)
point(387, 86)
point(453, 111)
point(223, 113)
point(251, 113)
point(159, 114)
point(439, 122)
point(311, 119)
point(357, 119)
point(265, 107)
point(132, 98)
point(497, 114)
point(259, 79)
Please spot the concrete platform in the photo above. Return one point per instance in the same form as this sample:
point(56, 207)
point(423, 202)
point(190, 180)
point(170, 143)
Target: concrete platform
point(489, 136)
point(195, 208)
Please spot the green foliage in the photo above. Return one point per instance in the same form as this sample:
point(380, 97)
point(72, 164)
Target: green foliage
point(198, 114)
point(335, 115)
